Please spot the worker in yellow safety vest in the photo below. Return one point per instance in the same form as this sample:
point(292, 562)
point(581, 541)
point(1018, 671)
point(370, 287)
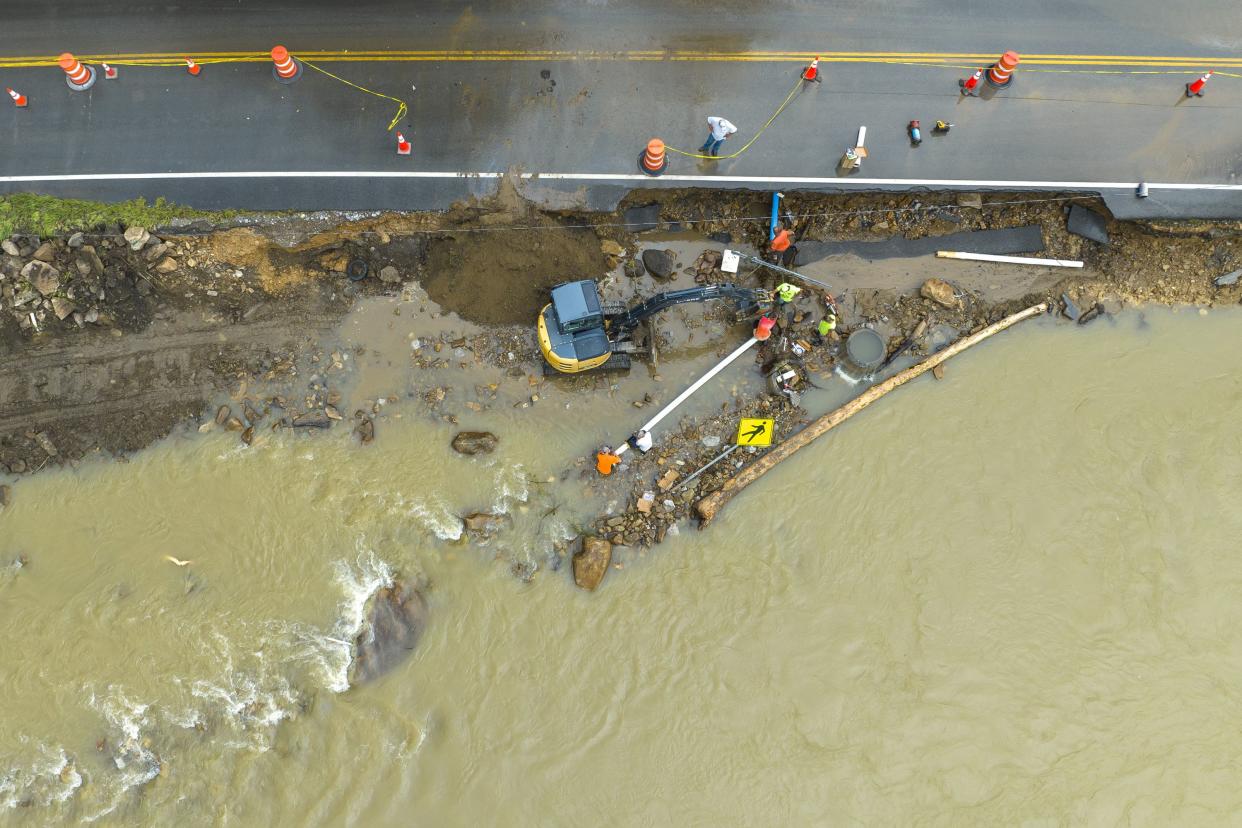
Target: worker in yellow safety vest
point(786, 292)
point(826, 326)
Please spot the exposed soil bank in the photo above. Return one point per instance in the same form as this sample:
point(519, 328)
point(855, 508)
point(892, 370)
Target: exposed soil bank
point(112, 339)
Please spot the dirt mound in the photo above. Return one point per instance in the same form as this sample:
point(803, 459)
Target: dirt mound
point(501, 275)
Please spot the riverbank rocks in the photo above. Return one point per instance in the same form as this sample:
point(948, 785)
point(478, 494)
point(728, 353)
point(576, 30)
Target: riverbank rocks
point(62, 307)
point(389, 275)
point(940, 292)
point(611, 248)
point(395, 619)
point(591, 564)
point(42, 277)
point(475, 442)
point(136, 237)
point(634, 268)
point(660, 263)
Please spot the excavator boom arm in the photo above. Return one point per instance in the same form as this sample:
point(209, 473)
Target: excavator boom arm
point(634, 316)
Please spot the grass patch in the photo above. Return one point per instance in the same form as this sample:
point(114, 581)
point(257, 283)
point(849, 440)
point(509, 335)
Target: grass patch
point(49, 216)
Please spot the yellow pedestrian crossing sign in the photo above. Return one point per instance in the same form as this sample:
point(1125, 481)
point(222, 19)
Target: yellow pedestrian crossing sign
point(753, 431)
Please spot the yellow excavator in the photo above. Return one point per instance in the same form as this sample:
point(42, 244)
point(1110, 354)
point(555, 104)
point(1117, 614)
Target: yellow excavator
point(577, 332)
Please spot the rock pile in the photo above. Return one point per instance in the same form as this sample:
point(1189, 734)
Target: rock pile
point(69, 283)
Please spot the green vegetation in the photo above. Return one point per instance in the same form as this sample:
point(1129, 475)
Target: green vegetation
point(48, 216)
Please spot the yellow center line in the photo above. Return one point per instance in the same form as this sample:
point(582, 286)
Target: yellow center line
point(484, 55)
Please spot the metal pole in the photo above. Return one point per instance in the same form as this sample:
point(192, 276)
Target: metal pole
point(713, 462)
point(786, 271)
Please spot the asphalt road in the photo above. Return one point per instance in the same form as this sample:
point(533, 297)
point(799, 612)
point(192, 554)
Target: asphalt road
point(588, 104)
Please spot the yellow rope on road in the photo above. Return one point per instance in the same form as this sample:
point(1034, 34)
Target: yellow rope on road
point(745, 146)
point(401, 106)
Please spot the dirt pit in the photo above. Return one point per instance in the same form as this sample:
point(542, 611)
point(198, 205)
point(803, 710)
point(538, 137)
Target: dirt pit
point(501, 275)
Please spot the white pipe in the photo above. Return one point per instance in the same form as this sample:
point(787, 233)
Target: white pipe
point(988, 257)
point(684, 395)
point(862, 136)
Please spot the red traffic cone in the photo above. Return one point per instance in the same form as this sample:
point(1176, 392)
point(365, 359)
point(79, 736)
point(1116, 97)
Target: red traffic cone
point(192, 67)
point(811, 73)
point(1194, 89)
point(110, 72)
point(403, 146)
point(968, 85)
point(18, 98)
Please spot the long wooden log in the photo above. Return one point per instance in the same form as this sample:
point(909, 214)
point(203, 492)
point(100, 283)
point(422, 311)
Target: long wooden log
point(708, 507)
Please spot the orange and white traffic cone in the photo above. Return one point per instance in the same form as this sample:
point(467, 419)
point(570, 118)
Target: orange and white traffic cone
point(811, 73)
point(78, 75)
point(286, 68)
point(968, 85)
point(192, 67)
point(403, 146)
point(1194, 89)
point(1000, 74)
point(653, 161)
point(110, 72)
point(18, 98)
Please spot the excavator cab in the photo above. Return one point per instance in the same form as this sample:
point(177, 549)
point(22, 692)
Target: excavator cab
point(578, 333)
point(572, 334)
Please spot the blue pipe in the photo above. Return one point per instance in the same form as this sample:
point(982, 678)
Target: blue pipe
point(776, 206)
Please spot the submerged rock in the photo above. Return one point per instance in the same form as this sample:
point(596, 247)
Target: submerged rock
point(312, 419)
point(591, 564)
point(485, 524)
point(395, 619)
point(475, 442)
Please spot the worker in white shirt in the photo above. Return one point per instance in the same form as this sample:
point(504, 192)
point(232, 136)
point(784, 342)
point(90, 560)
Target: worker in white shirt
point(718, 129)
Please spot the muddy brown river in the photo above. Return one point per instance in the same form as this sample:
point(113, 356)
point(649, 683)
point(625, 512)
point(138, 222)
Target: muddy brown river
point(1009, 597)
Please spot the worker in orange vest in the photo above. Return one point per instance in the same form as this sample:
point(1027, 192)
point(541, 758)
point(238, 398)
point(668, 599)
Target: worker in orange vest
point(605, 460)
point(783, 248)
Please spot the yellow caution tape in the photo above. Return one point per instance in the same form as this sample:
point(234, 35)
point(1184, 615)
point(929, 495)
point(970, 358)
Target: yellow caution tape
point(401, 106)
point(745, 146)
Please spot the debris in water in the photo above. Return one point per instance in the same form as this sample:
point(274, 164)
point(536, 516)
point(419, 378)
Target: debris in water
point(177, 561)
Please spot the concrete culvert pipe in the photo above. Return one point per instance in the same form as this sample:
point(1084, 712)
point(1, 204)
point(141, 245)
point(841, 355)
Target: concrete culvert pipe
point(864, 351)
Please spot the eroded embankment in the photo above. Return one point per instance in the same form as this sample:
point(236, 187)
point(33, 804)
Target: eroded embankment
point(114, 335)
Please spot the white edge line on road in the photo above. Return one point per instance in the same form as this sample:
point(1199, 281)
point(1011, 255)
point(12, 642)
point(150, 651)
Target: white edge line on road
point(630, 177)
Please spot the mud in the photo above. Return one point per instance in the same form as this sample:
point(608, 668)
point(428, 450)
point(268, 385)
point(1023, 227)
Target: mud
point(503, 276)
point(190, 316)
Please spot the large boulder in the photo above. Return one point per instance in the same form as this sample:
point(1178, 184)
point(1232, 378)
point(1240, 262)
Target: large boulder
point(395, 619)
point(591, 564)
point(660, 263)
point(940, 292)
point(475, 442)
